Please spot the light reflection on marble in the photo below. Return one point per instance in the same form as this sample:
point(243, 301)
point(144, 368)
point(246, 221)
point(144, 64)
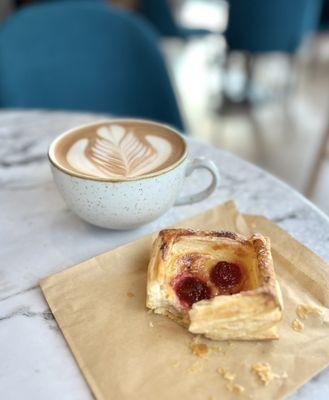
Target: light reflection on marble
point(40, 236)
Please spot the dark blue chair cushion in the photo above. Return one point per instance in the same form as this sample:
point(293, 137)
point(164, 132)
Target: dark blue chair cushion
point(270, 25)
point(84, 56)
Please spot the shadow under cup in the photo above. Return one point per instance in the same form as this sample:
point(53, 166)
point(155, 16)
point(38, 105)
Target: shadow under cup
point(123, 173)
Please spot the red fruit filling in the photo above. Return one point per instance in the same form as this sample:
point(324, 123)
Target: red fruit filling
point(226, 276)
point(190, 289)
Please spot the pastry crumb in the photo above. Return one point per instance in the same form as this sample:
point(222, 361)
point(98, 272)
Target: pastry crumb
point(235, 388)
point(196, 367)
point(200, 349)
point(303, 310)
point(196, 339)
point(215, 347)
point(229, 376)
point(263, 372)
point(151, 324)
point(297, 325)
point(176, 364)
point(130, 294)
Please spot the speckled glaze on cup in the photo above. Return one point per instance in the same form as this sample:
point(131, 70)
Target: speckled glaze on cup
point(125, 204)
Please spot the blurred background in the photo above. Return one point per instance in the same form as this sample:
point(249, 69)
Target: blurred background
point(247, 76)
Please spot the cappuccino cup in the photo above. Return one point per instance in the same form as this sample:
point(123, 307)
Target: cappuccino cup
point(122, 173)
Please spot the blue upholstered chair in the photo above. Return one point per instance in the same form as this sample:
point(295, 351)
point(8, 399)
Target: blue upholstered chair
point(159, 14)
point(263, 26)
point(84, 56)
point(259, 26)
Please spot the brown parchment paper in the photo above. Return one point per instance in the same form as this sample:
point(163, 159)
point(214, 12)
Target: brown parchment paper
point(126, 352)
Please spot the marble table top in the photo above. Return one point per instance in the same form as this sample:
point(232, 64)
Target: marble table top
point(39, 236)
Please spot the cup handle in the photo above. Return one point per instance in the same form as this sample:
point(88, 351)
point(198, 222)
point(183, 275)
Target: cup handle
point(200, 163)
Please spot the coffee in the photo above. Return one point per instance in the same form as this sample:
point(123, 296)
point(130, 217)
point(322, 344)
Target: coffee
point(118, 149)
point(100, 170)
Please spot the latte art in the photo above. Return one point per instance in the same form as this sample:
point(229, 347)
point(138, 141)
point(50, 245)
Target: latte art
point(118, 152)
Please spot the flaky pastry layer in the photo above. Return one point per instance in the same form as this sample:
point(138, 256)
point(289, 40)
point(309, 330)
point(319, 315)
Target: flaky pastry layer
point(250, 314)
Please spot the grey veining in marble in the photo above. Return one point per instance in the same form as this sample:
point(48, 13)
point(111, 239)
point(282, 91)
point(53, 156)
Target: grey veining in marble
point(39, 235)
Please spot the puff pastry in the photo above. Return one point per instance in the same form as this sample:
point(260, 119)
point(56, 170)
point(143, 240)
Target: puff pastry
point(218, 284)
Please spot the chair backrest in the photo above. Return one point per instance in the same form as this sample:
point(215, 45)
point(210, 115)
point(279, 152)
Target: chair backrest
point(270, 25)
point(84, 56)
point(157, 12)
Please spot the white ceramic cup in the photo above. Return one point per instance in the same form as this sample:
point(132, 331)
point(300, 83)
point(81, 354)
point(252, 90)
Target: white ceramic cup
point(125, 204)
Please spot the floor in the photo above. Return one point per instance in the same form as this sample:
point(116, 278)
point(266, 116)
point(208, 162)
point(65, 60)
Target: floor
point(283, 131)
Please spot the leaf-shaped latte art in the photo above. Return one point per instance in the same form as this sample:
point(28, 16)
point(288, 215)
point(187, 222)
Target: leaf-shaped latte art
point(119, 153)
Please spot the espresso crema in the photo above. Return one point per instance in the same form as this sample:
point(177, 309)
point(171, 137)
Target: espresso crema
point(118, 150)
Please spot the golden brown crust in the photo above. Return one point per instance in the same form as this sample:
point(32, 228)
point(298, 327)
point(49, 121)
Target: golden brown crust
point(268, 283)
point(169, 236)
point(250, 314)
